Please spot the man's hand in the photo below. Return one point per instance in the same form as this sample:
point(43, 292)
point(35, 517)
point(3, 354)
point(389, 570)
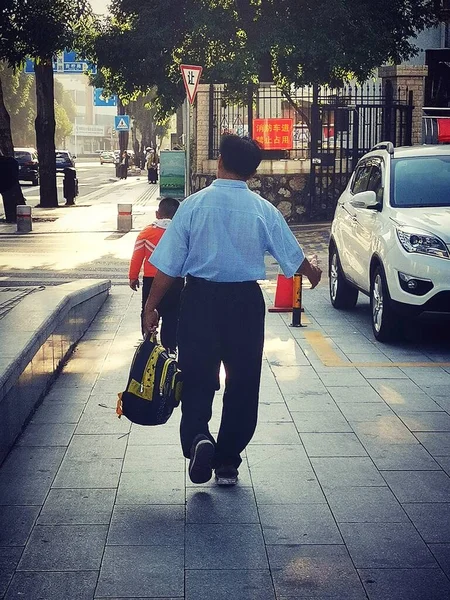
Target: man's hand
point(134, 284)
point(150, 321)
point(311, 270)
point(314, 276)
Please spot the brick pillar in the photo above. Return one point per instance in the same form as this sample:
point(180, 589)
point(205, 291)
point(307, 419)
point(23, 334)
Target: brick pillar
point(201, 127)
point(413, 78)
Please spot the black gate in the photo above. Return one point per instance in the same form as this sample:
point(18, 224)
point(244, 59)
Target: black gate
point(345, 125)
point(332, 129)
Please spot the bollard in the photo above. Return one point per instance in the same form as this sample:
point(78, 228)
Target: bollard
point(297, 301)
point(24, 222)
point(124, 217)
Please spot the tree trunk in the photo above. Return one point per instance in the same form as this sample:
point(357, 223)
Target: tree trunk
point(123, 135)
point(6, 143)
point(135, 144)
point(45, 132)
point(9, 173)
point(180, 125)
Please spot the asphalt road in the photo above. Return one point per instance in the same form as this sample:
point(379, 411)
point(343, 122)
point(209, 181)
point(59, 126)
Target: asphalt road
point(90, 173)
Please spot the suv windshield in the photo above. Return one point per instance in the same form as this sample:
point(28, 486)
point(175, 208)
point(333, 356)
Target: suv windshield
point(421, 181)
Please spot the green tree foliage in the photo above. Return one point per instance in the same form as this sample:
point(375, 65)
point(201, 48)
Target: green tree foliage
point(290, 42)
point(65, 111)
point(40, 29)
point(65, 100)
point(63, 127)
point(20, 101)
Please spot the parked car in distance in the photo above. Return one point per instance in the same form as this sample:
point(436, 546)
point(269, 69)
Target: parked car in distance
point(64, 159)
point(28, 164)
point(390, 236)
point(106, 157)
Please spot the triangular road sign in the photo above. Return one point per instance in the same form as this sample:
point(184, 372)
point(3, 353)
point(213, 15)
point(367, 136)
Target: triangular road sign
point(191, 76)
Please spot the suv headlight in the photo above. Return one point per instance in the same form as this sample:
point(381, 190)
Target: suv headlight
point(422, 242)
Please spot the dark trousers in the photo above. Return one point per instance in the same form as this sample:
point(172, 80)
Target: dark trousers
point(152, 174)
point(168, 309)
point(220, 322)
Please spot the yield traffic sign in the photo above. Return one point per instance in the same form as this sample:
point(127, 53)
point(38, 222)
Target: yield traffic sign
point(191, 76)
point(122, 123)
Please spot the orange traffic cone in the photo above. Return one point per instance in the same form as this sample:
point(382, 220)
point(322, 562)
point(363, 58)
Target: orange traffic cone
point(283, 294)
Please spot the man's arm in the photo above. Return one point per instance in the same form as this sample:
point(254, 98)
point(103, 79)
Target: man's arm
point(312, 272)
point(161, 283)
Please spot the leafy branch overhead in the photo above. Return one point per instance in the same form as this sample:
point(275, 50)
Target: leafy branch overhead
point(41, 28)
point(292, 42)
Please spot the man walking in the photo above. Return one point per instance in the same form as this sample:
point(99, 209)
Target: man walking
point(217, 240)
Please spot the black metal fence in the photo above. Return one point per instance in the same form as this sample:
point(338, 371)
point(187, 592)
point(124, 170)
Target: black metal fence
point(331, 128)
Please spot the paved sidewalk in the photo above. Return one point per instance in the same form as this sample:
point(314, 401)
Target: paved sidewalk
point(344, 492)
point(77, 242)
point(99, 216)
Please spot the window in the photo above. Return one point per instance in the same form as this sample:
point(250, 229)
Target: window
point(375, 182)
point(361, 180)
point(421, 181)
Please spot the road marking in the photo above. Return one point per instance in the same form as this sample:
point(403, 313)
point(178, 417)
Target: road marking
point(322, 347)
point(402, 365)
point(330, 358)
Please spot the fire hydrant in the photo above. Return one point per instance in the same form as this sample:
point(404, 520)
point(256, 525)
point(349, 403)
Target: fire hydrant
point(70, 185)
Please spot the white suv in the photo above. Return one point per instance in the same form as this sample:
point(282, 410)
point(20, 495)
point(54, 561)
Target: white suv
point(390, 236)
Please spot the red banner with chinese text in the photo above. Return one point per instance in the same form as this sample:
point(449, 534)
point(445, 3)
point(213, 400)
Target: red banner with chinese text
point(273, 134)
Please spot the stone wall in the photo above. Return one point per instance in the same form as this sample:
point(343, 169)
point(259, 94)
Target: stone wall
point(289, 193)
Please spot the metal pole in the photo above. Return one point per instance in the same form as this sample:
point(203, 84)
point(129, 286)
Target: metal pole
point(188, 149)
point(297, 301)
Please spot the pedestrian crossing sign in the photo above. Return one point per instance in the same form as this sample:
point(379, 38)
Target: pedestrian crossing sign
point(122, 122)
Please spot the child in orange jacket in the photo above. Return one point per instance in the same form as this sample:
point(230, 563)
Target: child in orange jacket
point(146, 242)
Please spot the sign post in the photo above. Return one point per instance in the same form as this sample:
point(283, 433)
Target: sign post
point(191, 77)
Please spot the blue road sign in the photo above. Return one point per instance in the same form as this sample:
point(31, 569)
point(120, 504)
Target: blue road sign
point(122, 123)
point(65, 62)
point(100, 100)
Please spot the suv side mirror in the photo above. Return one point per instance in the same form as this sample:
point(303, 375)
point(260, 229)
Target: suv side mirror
point(367, 199)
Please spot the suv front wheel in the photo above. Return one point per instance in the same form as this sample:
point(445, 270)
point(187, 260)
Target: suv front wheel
point(342, 294)
point(385, 321)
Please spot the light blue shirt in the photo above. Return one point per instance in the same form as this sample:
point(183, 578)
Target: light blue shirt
point(222, 233)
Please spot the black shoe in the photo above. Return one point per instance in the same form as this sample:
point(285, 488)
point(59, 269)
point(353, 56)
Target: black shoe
point(202, 454)
point(226, 475)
